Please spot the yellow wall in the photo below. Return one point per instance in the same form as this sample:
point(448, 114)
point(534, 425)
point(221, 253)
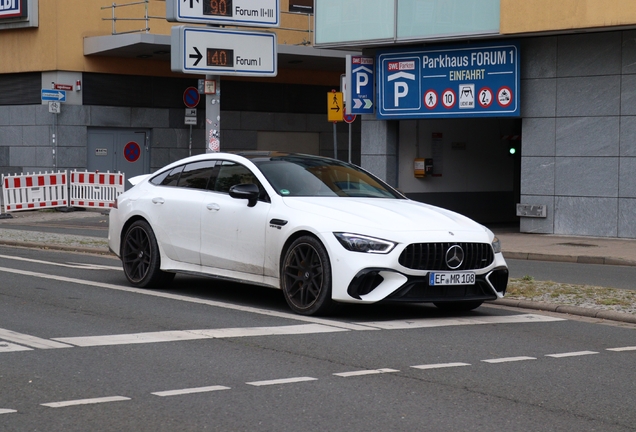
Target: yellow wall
point(530, 16)
point(58, 42)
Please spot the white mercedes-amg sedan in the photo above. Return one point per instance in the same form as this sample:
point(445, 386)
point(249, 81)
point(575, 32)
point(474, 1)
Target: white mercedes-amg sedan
point(323, 231)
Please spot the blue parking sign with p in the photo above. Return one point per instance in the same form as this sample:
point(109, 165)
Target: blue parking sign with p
point(401, 86)
point(360, 88)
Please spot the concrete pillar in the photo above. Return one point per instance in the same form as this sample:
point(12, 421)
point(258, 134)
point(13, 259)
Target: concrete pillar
point(379, 148)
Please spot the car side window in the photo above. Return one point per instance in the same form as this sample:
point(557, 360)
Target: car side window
point(230, 174)
point(197, 175)
point(168, 177)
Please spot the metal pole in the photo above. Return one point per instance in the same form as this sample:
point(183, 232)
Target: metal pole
point(349, 142)
point(335, 142)
point(190, 142)
point(213, 117)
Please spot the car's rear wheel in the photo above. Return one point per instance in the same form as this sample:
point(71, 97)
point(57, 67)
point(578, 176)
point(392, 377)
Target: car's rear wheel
point(140, 257)
point(306, 277)
point(459, 306)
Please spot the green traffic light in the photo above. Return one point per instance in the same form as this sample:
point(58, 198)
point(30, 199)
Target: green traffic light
point(513, 150)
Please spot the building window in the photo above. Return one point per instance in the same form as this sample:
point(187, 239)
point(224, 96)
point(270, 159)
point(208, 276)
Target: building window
point(306, 6)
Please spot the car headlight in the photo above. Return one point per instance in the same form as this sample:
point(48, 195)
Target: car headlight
point(360, 243)
point(496, 245)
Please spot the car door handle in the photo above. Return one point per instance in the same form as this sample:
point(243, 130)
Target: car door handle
point(213, 207)
point(158, 200)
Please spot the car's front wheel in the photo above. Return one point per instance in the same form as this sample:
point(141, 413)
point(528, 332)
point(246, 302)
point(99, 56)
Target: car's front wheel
point(140, 257)
point(306, 277)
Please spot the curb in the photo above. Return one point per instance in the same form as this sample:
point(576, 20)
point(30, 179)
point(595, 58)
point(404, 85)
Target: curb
point(82, 249)
point(572, 310)
point(579, 259)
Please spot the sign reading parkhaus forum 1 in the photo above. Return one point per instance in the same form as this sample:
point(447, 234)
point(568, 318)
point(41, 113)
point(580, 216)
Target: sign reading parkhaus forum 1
point(466, 81)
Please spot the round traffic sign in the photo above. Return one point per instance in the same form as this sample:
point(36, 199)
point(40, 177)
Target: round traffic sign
point(504, 96)
point(348, 118)
point(430, 99)
point(485, 97)
point(448, 98)
point(132, 151)
point(191, 97)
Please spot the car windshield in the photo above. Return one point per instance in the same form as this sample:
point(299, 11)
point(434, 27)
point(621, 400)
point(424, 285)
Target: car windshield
point(295, 175)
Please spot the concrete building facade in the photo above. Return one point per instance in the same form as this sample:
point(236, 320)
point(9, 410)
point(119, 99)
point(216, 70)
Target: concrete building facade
point(577, 120)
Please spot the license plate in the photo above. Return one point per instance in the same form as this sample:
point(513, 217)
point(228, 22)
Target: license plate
point(451, 278)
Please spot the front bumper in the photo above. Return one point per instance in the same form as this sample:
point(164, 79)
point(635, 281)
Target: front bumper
point(488, 286)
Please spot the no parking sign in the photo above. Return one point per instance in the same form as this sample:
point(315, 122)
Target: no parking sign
point(132, 151)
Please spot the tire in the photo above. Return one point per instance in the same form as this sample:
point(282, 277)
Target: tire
point(458, 306)
point(306, 277)
point(140, 257)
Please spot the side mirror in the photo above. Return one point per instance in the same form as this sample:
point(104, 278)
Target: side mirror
point(248, 191)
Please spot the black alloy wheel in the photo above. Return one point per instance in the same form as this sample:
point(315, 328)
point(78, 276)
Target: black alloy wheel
point(306, 277)
point(140, 257)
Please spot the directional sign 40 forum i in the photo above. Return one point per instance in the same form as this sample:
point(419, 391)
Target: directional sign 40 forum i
point(468, 81)
point(203, 50)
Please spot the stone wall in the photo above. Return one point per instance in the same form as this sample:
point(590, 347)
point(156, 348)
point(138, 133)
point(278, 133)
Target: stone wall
point(578, 105)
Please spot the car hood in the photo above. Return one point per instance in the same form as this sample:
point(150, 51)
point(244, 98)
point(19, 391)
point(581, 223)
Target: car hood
point(396, 215)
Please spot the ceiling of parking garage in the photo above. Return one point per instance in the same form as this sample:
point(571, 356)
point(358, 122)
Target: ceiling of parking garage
point(145, 45)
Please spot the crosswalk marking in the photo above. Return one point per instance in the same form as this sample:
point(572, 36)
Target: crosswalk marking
point(444, 322)
point(85, 401)
point(629, 348)
point(509, 359)
point(571, 354)
point(190, 391)
point(440, 365)
point(172, 336)
point(365, 372)
point(281, 381)
point(30, 341)
point(9, 347)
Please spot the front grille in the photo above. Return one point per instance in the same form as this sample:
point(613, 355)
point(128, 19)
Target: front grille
point(432, 256)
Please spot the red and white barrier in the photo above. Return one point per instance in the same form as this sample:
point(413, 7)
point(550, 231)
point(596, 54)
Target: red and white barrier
point(34, 191)
point(95, 189)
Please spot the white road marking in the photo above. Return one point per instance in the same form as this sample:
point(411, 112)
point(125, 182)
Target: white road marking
point(30, 341)
point(365, 372)
point(9, 347)
point(7, 411)
point(85, 401)
point(571, 354)
point(508, 359)
point(69, 265)
point(630, 348)
point(281, 381)
point(440, 365)
point(443, 322)
point(248, 309)
point(181, 335)
point(190, 391)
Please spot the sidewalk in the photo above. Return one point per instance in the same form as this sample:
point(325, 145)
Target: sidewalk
point(57, 230)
